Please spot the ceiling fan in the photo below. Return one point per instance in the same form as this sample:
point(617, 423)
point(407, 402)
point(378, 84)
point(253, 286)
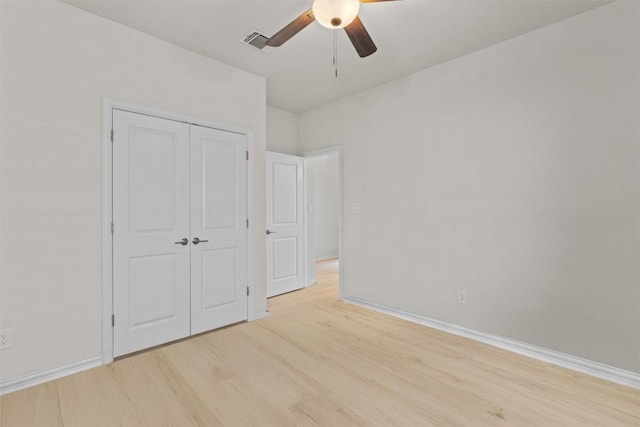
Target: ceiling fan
point(333, 14)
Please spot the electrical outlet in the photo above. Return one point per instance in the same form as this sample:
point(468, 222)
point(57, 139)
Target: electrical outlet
point(462, 297)
point(6, 338)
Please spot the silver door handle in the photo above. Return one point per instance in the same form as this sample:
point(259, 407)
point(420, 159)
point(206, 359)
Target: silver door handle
point(196, 241)
point(270, 232)
point(183, 242)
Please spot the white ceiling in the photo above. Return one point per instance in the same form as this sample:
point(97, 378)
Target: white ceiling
point(410, 34)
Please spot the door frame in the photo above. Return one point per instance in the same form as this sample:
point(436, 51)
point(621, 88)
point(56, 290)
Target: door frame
point(317, 153)
point(108, 105)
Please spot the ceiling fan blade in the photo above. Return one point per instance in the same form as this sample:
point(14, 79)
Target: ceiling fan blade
point(293, 28)
point(360, 38)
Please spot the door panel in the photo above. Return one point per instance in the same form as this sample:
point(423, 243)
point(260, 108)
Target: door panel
point(218, 277)
point(218, 217)
point(219, 165)
point(150, 213)
point(284, 223)
point(152, 180)
point(285, 192)
point(152, 275)
point(285, 256)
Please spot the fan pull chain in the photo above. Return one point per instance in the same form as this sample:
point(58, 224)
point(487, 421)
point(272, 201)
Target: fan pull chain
point(335, 52)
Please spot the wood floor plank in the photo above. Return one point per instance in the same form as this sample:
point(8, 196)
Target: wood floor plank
point(35, 406)
point(316, 361)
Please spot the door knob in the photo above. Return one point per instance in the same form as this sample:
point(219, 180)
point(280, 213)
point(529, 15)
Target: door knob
point(196, 241)
point(270, 232)
point(183, 242)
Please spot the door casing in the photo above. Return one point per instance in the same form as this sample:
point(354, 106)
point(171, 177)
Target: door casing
point(108, 105)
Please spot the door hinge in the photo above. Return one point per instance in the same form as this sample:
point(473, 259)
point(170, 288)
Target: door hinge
point(247, 222)
point(111, 135)
point(247, 154)
point(113, 227)
point(247, 291)
point(113, 320)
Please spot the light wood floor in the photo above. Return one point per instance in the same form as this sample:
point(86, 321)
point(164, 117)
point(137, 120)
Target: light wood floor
point(318, 361)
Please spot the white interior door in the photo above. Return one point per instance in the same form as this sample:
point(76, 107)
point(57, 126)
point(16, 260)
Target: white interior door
point(150, 213)
point(218, 228)
point(284, 223)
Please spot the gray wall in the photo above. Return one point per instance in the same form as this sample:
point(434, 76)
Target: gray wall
point(511, 173)
point(282, 131)
point(325, 204)
point(57, 62)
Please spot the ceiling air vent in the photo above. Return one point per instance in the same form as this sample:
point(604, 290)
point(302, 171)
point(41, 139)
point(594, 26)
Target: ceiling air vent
point(256, 40)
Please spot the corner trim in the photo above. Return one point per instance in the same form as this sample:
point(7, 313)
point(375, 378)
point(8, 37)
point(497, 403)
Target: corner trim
point(594, 369)
point(39, 377)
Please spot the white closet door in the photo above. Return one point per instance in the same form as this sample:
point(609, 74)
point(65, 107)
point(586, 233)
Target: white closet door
point(219, 223)
point(150, 213)
point(284, 223)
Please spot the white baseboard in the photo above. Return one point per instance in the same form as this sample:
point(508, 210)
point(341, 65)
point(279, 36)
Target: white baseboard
point(39, 377)
point(595, 369)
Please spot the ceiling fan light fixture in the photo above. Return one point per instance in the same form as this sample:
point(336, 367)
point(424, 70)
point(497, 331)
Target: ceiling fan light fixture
point(335, 14)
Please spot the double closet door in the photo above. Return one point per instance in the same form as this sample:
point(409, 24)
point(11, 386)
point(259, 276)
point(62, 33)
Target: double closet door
point(180, 230)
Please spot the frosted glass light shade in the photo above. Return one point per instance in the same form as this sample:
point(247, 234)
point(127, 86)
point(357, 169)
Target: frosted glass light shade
point(335, 13)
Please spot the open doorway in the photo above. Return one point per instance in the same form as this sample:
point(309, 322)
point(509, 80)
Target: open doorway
point(323, 216)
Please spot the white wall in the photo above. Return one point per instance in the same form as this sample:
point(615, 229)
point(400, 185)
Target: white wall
point(282, 131)
point(325, 204)
point(511, 173)
point(56, 64)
